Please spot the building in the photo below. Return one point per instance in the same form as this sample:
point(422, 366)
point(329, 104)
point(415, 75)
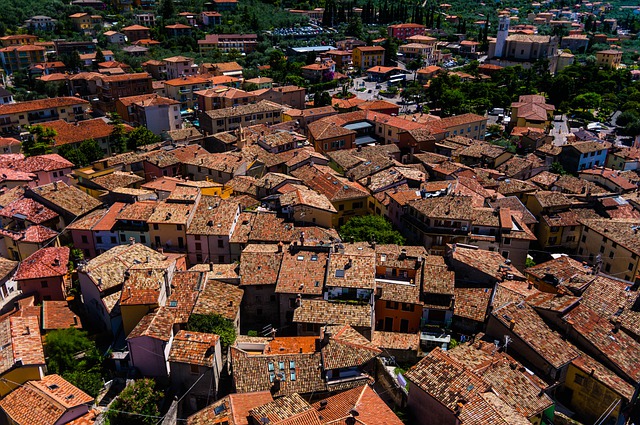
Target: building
point(365, 57)
point(158, 114)
point(404, 31)
point(52, 400)
point(136, 33)
point(24, 359)
point(21, 57)
point(576, 43)
point(210, 18)
point(610, 244)
point(221, 97)
point(193, 355)
point(149, 343)
point(16, 116)
point(243, 43)
point(45, 274)
point(180, 66)
point(579, 156)
point(113, 87)
point(184, 89)
point(521, 47)
point(41, 23)
point(263, 112)
point(292, 96)
point(609, 58)
point(115, 37)
point(85, 22)
point(178, 30)
point(531, 111)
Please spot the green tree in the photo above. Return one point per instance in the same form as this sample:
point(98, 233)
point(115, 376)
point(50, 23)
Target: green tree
point(321, 98)
point(41, 142)
point(99, 56)
point(73, 355)
point(213, 324)
point(140, 400)
point(84, 154)
point(167, 9)
point(370, 227)
point(627, 117)
point(557, 168)
point(140, 136)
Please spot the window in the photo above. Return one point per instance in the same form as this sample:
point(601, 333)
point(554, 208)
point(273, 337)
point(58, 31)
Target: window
point(607, 267)
point(506, 241)
point(44, 284)
point(341, 207)
point(604, 239)
point(98, 239)
point(178, 226)
point(155, 226)
point(407, 307)
point(602, 250)
point(143, 239)
point(220, 243)
point(180, 243)
point(113, 239)
point(198, 246)
point(584, 238)
point(392, 305)
point(505, 254)
point(630, 267)
point(84, 239)
point(357, 205)
point(611, 254)
point(195, 369)
point(614, 245)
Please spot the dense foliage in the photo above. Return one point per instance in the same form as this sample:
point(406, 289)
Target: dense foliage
point(370, 228)
point(213, 324)
point(73, 355)
point(83, 154)
point(136, 404)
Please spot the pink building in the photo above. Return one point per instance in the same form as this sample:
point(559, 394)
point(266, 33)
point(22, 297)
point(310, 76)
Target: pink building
point(180, 66)
point(45, 274)
point(404, 31)
point(48, 168)
point(150, 343)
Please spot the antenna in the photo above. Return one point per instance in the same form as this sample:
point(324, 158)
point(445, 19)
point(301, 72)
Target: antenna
point(507, 341)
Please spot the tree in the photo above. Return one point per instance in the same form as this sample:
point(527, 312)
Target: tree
point(213, 324)
point(73, 355)
point(557, 168)
point(140, 400)
point(140, 136)
point(321, 98)
point(167, 9)
point(41, 142)
point(99, 56)
point(84, 154)
point(370, 227)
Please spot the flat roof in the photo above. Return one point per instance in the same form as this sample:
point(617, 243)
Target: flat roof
point(364, 140)
point(312, 49)
point(358, 125)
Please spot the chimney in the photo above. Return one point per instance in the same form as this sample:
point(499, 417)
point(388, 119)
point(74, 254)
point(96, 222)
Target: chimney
point(210, 267)
point(56, 262)
point(512, 324)
point(75, 320)
point(280, 247)
point(326, 336)
point(368, 180)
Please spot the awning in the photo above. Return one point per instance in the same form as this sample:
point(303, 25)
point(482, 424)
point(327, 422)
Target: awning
point(364, 140)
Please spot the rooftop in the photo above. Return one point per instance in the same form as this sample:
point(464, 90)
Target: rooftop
point(44, 263)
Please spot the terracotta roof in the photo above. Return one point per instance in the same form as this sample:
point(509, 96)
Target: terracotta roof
point(529, 327)
point(43, 402)
point(619, 231)
point(22, 336)
point(258, 372)
point(46, 262)
point(80, 131)
point(445, 379)
point(58, 315)
point(302, 272)
point(362, 399)
point(185, 288)
point(597, 370)
point(347, 348)
point(260, 264)
point(234, 409)
point(324, 312)
point(396, 340)
point(157, 324)
point(281, 409)
point(489, 408)
point(194, 348)
point(219, 298)
point(36, 105)
point(67, 198)
point(447, 207)
point(107, 269)
point(351, 271)
point(29, 210)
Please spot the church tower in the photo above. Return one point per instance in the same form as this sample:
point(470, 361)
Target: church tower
point(501, 39)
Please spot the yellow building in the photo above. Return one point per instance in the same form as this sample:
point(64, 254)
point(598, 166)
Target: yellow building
point(168, 225)
point(612, 245)
point(594, 389)
point(609, 58)
point(18, 40)
point(531, 111)
point(308, 207)
point(15, 58)
point(21, 335)
point(23, 114)
point(84, 21)
point(184, 89)
point(365, 57)
point(142, 292)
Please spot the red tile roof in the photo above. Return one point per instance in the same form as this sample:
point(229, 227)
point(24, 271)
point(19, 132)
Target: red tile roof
point(41, 104)
point(46, 262)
